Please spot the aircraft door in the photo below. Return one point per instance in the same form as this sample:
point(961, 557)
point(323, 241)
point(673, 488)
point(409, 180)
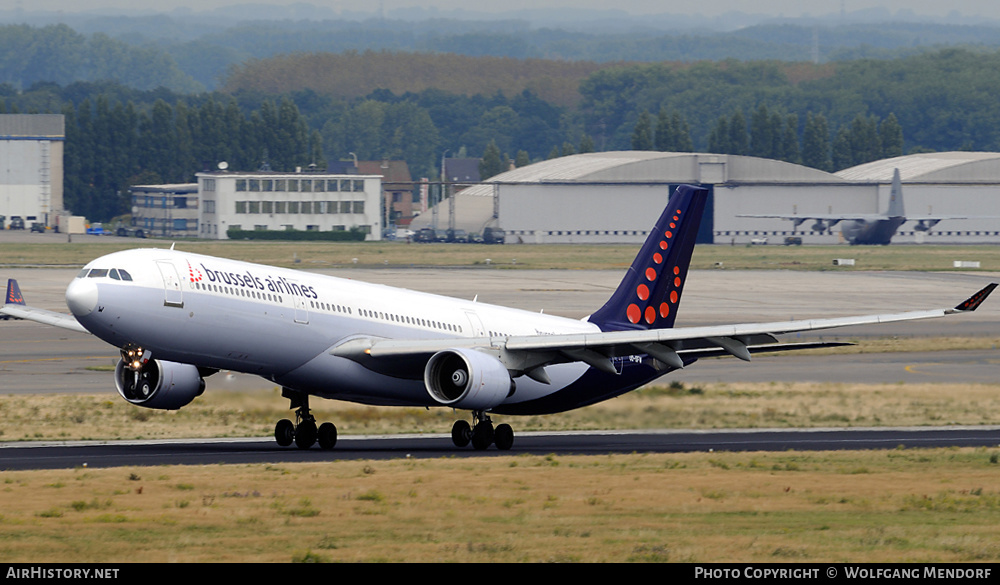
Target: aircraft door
point(172, 294)
point(301, 307)
point(477, 324)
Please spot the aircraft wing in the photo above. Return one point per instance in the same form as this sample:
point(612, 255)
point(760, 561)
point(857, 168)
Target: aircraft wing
point(527, 353)
point(835, 217)
point(15, 307)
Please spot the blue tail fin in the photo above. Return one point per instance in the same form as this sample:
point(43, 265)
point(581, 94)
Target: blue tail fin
point(13, 293)
point(648, 296)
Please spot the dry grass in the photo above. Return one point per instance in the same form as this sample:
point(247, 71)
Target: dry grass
point(227, 413)
point(883, 506)
point(570, 256)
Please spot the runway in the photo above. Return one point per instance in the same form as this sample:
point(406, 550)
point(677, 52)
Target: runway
point(24, 456)
point(39, 359)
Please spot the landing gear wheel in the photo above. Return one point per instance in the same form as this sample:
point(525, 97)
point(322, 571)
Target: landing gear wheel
point(461, 433)
point(305, 434)
point(503, 438)
point(482, 435)
point(284, 432)
point(327, 436)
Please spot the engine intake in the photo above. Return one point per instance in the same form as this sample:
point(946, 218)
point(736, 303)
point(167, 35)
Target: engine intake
point(468, 379)
point(159, 384)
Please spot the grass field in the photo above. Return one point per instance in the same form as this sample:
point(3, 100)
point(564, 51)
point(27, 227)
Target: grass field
point(898, 505)
point(585, 256)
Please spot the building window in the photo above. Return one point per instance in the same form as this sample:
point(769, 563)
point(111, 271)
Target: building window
point(180, 225)
point(267, 206)
point(279, 185)
point(253, 207)
point(293, 185)
point(319, 185)
point(332, 206)
point(279, 206)
point(208, 185)
point(241, 184)
point(210, 206)
point(241, 207)
point(307, 207)
point(359, 186)
point(359, 206)
point(180, 202)
point(293, 207)
point(345, 185)
point(307, 186)
point(267, 185)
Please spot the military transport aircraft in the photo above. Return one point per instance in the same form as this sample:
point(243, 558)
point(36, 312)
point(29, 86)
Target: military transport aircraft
point(868, 228)
point(179, 317)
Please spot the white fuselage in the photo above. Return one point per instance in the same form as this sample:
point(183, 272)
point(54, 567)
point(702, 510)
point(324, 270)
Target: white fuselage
point(281, 324)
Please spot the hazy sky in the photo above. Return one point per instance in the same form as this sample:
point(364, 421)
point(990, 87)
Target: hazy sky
point(988, 8)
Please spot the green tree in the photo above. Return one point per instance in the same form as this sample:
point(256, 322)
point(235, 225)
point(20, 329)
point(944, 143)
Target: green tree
point(719, 139)
point(816, 142)
point(842, 154)
point(891, 136)
point(739, 140)
point(492, 162)
point(522, 159)
point(763, 135)
point(790, 151)
point(642, 134)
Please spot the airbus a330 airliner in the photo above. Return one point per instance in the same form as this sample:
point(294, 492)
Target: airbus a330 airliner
point(179, 317)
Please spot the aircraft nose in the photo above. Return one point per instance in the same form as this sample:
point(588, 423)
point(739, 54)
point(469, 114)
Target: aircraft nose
point(81, 296)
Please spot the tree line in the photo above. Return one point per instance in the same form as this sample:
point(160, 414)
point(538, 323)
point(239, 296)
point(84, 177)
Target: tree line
point(828, 117)
point(113, 146)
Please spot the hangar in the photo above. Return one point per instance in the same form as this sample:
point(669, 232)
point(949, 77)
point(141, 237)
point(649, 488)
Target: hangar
point(613, 197)
point(31, 154)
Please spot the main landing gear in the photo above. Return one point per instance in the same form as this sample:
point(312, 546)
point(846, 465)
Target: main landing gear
point(482, 434)
point(304, 432)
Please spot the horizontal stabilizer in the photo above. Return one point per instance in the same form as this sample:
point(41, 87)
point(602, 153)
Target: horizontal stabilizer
point(15, 307)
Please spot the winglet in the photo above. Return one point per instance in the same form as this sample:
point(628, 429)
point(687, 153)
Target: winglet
point(972, 303)
point(14, 296)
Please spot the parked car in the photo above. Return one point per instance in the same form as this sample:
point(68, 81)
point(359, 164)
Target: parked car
point(38, 227)
point(424, 235)
point(475, 238)
point(127, 232)
point(16, 223)
point(457, 236)
point(493, 235)
point(96, 229)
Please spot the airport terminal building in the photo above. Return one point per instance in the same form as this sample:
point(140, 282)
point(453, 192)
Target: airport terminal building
point(289, 201)
point(614, 197)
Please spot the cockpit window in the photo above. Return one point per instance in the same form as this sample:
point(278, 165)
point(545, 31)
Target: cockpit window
point(114, 273)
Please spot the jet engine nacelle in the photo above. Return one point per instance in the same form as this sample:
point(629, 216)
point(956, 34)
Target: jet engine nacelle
point(159, 384)
point(467, 379)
